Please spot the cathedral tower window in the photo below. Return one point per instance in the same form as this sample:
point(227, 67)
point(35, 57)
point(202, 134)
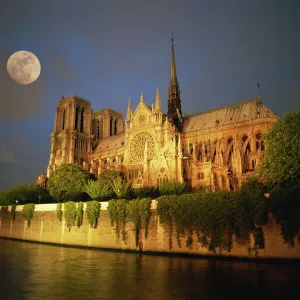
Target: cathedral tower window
point(64, 119)
point(81, 120)
point(116, 126)
point(111, 126)
point(76, 118)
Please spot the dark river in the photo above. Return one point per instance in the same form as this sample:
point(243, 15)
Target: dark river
point(35, 271)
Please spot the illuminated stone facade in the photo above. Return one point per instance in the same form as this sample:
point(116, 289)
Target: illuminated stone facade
point(216, 148)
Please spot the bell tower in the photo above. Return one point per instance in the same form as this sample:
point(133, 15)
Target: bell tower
point(174, 102)
point(71, 139)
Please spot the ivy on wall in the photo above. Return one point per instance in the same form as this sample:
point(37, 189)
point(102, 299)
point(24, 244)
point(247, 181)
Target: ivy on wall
point(13, 212)
point(70, 213)
point(285, 206)
point(215, 217)
point(117, 210)
point(28, 212)
point(139, 213)
point(59, 212)
point(93, 212)
point(79, 214)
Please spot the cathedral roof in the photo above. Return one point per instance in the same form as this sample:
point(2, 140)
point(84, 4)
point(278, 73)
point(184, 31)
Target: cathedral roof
point(227, 115)
point(110, 143)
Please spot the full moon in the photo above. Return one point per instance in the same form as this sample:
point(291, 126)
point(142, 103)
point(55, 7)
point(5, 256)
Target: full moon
point(23, 67)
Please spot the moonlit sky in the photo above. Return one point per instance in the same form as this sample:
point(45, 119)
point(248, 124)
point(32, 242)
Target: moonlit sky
point(107, 50)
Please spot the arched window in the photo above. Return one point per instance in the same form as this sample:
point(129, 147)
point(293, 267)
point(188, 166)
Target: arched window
point(111, 126)
point(253, 163)
point(116, 126)
point(82, 120)
point(76, 118)
point(64, 119)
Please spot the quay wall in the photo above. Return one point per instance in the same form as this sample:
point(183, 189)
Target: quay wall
point(46, 228)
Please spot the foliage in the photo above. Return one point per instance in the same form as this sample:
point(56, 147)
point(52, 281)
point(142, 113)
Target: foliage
point(24, 193)
point(285, 206)
point(281, 161)
point(70, 214)
point(110, 175)
point(139, 213)
point(13, 212)
point(79, 214)
point(93, 212)
point(122, 188)
point(68, 182)
point(173, 188)
point(59, 212)
point(99, 190)
point(147, 191)
point(28, 212)
point(117, 210)
point(214, 216)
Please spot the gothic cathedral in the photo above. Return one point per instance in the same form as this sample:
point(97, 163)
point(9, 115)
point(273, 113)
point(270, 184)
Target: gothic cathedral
point(216, 148)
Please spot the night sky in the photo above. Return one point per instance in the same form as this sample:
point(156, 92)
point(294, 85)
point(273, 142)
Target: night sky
point(105, 51)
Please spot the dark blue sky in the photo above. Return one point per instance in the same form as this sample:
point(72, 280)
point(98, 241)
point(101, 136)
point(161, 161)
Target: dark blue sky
point(105, 51)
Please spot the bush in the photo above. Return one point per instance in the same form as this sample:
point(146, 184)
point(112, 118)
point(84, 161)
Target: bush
point(100, 189)
point(122, 188)
point(173, 188)
point(146, 192)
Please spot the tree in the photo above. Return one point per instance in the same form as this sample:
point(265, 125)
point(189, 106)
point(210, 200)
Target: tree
point(25, 193)
point(67, 183)
point(281, 161)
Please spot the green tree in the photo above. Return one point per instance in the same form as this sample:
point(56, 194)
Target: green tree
point(67, 183)
point(25, 193)
point(281, 161)
point(122, 188)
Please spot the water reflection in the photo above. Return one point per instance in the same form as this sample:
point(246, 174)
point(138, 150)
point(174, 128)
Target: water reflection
point(33, 271)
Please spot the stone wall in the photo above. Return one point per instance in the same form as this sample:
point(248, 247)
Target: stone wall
point(45, 227)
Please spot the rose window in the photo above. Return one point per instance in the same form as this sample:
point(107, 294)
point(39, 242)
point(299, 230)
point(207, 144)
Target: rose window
point(137, 147)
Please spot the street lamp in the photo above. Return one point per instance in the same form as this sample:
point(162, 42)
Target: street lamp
point(39, 199)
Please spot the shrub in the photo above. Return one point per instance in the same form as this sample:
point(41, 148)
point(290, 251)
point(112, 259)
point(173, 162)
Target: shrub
point(93, 212)
point(28, 212)
point(122, 188)
point(146, 192)
point(99, 190)
point(173, 188)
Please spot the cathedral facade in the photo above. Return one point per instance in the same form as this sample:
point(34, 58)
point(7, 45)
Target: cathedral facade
point(216, 148)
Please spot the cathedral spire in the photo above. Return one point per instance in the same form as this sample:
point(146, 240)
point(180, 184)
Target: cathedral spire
point(174, 102)
point(129, 109)
point(157, 100)
point(142, 97)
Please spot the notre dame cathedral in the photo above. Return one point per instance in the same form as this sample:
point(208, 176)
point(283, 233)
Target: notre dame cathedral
point(216, 148)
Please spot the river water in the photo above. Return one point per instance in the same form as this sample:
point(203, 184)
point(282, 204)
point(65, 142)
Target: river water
point(36, 271)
